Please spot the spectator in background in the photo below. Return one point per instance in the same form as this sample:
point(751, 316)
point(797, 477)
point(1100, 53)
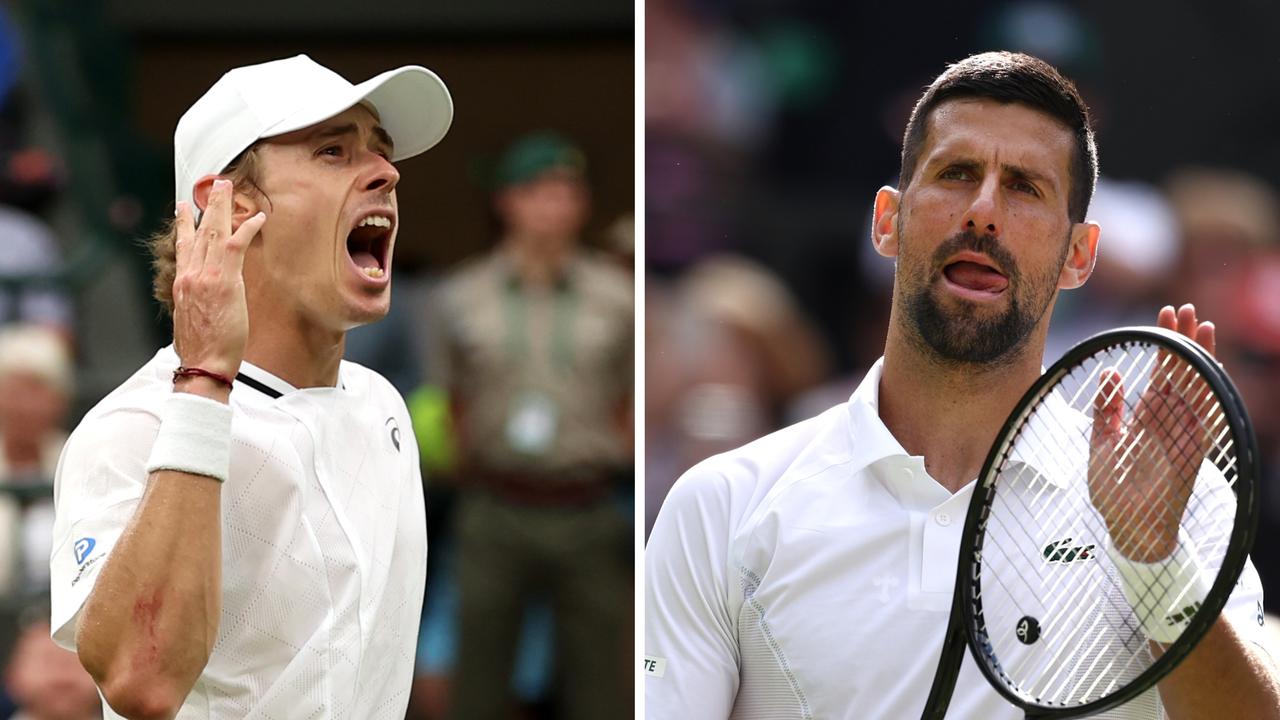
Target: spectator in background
point(1128, 284)
point(1230, 222)
point(47, 682)
point(35, 388)
point(28, 181)
point(535, 346)
point(620, 242)
point(1229, 219)
point(30, 252)
point(727, 350)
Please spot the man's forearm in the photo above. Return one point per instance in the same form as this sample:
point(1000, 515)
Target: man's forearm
point(1223, 677)
point(148, 627)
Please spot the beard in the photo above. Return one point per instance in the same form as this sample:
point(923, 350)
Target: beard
point(955, 331)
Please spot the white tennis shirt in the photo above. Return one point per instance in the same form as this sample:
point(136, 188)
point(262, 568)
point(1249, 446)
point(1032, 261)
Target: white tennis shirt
point(809, 574)
point(324, 544)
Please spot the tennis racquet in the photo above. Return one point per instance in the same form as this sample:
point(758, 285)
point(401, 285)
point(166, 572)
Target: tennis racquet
point(1110, 523)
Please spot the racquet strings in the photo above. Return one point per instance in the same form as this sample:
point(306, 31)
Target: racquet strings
point(1053, 620)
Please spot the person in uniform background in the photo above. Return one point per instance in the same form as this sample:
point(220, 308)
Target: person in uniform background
point(535, 347)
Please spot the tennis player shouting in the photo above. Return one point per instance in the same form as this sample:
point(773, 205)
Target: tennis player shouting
point(810, 574)
point(240, 528)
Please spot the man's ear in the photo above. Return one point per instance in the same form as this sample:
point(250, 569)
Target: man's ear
point(1082, 255)
point(884, 224)
point(244, 203)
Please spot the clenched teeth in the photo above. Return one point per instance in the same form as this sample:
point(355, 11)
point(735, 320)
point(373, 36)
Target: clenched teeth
point(375, 220)
point(374, 272)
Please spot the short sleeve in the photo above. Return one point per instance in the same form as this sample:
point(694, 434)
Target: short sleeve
point(100, 478)
point(1244, 609)
point(691, 649)
point(1213, 498)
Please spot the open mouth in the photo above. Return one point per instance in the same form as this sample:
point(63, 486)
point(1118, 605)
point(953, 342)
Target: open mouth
point(368, 244)
point(976, 274)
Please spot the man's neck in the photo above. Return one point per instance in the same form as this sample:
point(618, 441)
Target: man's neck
point(950, 413)
point(300, 354)
point(538, 262)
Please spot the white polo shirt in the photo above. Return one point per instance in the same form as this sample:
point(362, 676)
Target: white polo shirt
point(324, 544)
point(809, 574)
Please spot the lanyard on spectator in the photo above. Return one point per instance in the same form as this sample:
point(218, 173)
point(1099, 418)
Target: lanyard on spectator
point(564, 302)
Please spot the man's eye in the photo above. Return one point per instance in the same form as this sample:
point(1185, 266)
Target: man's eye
point(954, 173)
point(1026, 187)
point(332, 150)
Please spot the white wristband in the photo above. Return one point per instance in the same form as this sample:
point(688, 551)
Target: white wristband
point(194, 437)
point(1164, 594)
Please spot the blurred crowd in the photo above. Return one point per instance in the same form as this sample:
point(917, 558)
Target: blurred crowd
point(37, 326)
point(767, 137)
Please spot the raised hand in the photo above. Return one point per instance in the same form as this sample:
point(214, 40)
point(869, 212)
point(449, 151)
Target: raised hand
point(1142, 469)
point(210, 318)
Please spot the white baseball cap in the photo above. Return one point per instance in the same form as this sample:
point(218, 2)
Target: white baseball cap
point(260, 101)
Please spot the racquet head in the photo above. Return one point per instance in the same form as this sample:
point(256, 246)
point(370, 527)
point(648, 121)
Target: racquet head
point(1109, 525)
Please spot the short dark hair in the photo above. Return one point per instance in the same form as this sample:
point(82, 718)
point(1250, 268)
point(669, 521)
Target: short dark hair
point(1008, 77)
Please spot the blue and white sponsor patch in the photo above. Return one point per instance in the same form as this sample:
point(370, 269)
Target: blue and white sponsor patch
point(83, 547)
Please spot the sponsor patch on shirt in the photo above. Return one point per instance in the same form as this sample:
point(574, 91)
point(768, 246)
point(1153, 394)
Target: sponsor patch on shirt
point(655, 666)
point(83, 547)
point(1067, 551)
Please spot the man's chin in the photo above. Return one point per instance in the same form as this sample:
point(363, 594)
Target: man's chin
point(957, 330)
point(367, 309)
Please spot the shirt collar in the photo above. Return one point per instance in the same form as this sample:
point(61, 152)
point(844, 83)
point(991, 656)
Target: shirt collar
point(872, 442)
point(1050, 451)
point(253, 377)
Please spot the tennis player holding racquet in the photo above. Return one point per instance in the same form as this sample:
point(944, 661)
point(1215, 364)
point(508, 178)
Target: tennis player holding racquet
point(811, 574)
point(240, 530)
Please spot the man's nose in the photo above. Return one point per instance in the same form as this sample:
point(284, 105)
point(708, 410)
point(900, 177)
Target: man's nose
point(983, 214)
point(383, 176)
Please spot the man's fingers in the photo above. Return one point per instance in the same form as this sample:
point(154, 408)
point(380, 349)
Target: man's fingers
point(185, 227)
point(1207, 336)
point(1167, 318)
point(1187, 320)
point(1108, 407)
point(215, 226)
point(238, 245)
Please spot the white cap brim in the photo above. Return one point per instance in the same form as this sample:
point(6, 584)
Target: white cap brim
point(269, 99)
point(412, 103)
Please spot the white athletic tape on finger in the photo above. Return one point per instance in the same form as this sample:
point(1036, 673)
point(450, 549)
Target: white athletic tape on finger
point(1165, 594)
point(194, 437)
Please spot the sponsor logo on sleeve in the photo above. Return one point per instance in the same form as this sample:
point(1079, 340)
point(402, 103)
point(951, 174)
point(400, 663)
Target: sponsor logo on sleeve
point(655, 666)
point(83, 547)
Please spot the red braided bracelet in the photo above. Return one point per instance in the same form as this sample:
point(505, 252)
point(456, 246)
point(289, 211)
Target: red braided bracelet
point(200, 372)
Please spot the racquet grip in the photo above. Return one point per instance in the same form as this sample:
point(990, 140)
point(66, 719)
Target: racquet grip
point(1165, 594)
